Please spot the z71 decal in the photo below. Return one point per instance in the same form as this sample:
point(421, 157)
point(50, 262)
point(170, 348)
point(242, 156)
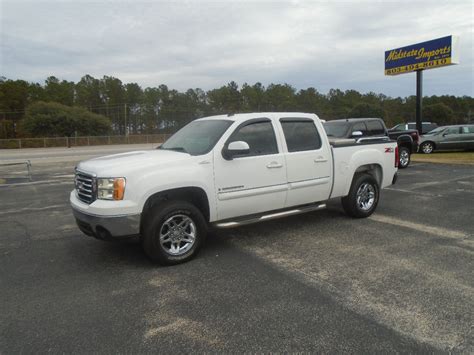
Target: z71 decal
point(389, 150)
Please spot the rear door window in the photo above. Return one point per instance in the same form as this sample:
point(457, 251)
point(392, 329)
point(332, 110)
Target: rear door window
point(467, 129)
point(301, 135)
point(375, 128)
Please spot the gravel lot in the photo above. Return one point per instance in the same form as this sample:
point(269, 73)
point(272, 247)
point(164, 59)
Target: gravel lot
point(400, 281)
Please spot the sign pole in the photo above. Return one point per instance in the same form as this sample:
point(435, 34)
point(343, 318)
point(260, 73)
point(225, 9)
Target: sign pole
point(419, 100)
point(417, 57)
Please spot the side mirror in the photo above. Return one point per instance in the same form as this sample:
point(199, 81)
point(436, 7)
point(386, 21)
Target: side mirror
point(356, 134)
point(234, 149)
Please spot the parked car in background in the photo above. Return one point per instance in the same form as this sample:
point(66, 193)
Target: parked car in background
point(369, 128)
point(448, 138)
point(425, 127)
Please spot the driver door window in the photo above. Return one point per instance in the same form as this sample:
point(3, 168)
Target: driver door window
point(360, 126)
point(259, 136)
point(453, 130)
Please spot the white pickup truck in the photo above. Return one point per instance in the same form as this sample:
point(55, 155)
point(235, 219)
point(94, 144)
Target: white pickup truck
point(225, 171)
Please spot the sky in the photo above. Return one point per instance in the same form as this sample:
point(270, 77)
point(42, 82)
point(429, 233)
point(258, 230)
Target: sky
point(191, 44)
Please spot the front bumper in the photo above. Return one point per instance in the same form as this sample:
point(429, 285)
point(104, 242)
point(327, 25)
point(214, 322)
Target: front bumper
point(108, 227)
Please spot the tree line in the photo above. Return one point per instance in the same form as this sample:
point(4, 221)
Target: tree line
point(95, 106)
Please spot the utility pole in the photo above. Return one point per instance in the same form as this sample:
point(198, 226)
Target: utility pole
point(125, 115)
point(419, 100)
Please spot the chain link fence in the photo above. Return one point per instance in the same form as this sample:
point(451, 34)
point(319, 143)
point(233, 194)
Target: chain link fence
point(81, 141)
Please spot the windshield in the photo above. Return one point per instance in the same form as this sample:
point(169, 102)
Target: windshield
point(436, 131)
point(197, 137)
point(336, 129)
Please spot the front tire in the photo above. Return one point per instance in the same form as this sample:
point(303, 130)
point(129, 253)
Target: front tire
point(363, 196)
point(427, 147)
point(404, 157)
point(173, 232)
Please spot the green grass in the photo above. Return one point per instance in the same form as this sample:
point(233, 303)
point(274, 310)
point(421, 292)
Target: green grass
point(445, 157)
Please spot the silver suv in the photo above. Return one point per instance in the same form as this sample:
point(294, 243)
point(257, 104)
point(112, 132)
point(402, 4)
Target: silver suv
point(447, 138)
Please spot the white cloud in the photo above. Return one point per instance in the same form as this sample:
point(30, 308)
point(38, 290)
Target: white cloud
point(207, 44)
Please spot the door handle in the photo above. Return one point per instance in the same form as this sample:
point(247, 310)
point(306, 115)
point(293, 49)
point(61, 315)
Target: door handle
point(274, 165)
point(320, 160)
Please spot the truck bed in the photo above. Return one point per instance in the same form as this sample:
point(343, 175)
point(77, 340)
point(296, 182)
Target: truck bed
point(348, 158)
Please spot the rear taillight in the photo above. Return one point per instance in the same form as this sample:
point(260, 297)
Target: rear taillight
point(397, 158)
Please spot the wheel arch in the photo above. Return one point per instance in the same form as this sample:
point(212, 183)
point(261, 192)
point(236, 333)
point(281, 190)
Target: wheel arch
point(375, 170)
point(405, 141)
point(192, 194)
point(429, 141)
point(351, 202)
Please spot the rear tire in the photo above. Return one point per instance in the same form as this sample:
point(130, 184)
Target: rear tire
point(363, 196)
point(404, 157)
point(173, 232)
point(427, 147)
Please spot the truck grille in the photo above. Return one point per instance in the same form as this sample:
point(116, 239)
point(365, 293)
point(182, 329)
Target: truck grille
point(85, 187)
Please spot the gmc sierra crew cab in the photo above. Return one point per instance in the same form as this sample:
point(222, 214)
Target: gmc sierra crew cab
point(226, 171)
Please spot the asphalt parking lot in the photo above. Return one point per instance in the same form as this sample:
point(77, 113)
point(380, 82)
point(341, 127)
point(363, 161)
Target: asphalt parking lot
point(400, 281)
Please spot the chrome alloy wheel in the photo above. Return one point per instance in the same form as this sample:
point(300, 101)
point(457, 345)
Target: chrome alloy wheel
point(365, 196)
point(427, 148)
point(404, 158)
point(178, 234)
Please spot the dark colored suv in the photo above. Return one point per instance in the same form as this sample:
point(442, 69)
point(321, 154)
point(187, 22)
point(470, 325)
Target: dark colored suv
point(365, 128)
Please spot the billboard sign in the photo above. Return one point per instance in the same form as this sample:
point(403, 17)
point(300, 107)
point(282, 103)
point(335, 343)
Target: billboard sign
point(426, 55)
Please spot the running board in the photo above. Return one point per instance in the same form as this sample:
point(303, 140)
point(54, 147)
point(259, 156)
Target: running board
point(267, 217)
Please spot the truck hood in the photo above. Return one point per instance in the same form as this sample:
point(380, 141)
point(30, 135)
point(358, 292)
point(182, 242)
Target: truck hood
point(118, 165)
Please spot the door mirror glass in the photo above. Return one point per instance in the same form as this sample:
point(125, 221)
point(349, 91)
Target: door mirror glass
point(236, 148)
point(356, 134)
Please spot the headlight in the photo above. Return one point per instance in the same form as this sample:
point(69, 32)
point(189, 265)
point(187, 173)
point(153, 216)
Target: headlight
point(110, 188)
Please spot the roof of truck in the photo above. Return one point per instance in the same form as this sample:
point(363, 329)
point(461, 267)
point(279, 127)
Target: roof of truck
point(240, 117)
point(356, 119)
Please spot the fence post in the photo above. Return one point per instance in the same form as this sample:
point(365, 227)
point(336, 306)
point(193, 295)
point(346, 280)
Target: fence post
point(108, 140)
point(88, 141)
point(19, 143)
point(44, 142)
